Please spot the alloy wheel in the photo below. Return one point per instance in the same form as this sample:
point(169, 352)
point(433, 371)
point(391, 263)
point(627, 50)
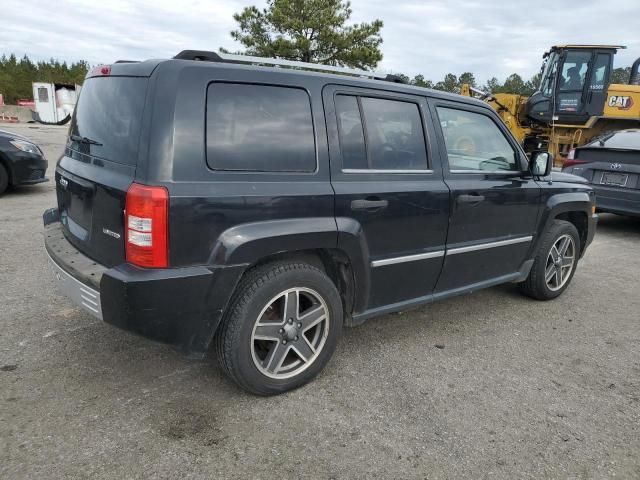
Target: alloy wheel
point(560, 262)
point(290, 333)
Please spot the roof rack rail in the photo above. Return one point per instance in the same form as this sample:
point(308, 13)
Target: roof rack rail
point(205, 56)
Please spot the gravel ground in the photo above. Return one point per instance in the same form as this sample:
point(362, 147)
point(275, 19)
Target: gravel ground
point(490, 385)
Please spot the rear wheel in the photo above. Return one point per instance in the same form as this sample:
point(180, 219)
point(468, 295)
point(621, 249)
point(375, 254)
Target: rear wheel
point(281, 329)
point(4, 179)
point(555, 262)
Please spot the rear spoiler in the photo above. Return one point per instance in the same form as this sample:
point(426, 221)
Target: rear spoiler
point(126, 68)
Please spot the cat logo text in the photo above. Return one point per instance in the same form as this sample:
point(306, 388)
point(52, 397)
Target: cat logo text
point(621, 102)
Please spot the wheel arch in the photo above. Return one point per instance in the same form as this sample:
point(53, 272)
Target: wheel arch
point(335, 263)
point(573, 207)
point(335, 245)
point(580, 220)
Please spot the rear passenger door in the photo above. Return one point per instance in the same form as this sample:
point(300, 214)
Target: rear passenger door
point(494, 201)
point(388, 189)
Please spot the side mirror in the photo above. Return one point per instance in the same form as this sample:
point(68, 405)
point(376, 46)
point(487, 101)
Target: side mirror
point(541, 164)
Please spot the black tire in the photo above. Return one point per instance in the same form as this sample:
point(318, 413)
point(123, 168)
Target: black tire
point(235, 344)
point(536, 285)
point(4, 179)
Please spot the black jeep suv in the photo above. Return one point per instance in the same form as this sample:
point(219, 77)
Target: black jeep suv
point(257, 210)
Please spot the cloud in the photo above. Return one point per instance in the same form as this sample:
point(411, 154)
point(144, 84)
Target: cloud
point(488, 38)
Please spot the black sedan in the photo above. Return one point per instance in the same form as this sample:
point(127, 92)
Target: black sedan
point(611, 164)
point(21, 161)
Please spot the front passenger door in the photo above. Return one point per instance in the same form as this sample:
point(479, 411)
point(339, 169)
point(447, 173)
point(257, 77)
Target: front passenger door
point(494, 202)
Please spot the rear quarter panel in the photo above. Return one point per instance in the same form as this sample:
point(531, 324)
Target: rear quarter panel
point(223, 217)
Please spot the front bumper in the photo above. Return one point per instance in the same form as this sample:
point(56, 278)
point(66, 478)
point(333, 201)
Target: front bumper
point(28, 169)
point(179, 306)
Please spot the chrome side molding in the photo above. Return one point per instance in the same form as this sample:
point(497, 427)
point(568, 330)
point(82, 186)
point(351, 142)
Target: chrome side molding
point(483, 246)
point(450, 251)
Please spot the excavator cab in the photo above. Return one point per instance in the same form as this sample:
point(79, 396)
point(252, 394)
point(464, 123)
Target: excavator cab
point(573, 84)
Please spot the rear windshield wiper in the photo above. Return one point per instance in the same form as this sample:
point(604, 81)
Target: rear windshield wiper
point(86, 140)
point(603, 139)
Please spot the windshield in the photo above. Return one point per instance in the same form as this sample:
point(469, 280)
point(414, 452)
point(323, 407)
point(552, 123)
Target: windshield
point(548, 74)
point(106, 120)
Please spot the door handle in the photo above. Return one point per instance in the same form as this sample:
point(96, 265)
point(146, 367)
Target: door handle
point(369, 204)
point(470, 198)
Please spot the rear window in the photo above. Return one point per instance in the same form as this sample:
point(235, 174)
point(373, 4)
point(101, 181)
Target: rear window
point(109, 111)
point(259, 128)
point(628, 140)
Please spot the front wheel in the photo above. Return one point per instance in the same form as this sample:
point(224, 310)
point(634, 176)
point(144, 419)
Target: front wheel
point(281, 329)
point(555, 262)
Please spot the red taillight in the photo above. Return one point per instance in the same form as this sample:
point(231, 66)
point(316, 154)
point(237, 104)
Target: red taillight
point(571, 162)
point(571, 159)
point(146, 226)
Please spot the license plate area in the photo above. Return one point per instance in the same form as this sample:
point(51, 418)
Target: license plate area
point(615, 179)
point(75, 201)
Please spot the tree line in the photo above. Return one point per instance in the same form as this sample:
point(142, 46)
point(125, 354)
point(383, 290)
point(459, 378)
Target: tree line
point(514, 83)
point(17, 75)
point(316, 31)
point(452, 83)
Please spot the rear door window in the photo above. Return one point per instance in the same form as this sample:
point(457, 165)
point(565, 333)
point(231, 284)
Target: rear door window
point(380, 134)
point(259, 128)
point(351, 132)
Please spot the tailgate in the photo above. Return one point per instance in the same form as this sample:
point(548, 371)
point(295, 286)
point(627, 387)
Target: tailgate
point(99, 165)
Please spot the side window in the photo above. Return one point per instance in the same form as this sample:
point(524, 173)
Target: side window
point(599, 75)
point(574, 70)
point(43, 95)
point(474, 142)
point(354, 153)
point(380, 134)
point(395, 138)
point(259, 128)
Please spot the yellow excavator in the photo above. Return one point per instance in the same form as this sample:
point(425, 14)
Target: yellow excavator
point(574, 103)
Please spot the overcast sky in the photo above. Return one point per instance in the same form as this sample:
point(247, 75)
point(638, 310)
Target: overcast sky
point(486, 37)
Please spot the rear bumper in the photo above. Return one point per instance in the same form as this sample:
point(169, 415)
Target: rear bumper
point(81, 293)
point(591, 231)
point(179, 306)
point(624, 201)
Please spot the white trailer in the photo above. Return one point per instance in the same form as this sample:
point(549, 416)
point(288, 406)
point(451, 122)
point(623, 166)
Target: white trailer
point(54, 101)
